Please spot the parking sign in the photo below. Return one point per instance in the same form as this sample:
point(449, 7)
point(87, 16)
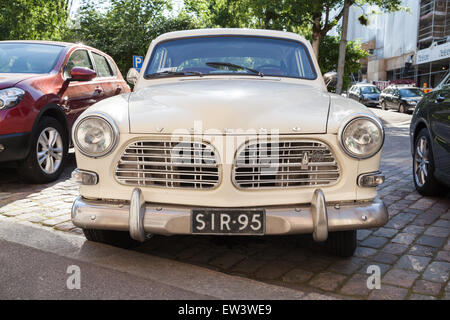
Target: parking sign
point(137, 62)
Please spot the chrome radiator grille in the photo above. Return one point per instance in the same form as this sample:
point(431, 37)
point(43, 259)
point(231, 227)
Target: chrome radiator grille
point(285, 164)
point(169, 164)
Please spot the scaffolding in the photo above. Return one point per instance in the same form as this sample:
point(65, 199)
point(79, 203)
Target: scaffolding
point(434, 23)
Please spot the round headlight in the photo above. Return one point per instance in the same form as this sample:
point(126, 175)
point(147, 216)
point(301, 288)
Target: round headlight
point(95, 136)
point(362, 137)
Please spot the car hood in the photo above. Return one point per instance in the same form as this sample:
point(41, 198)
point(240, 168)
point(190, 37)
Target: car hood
point(417, 99)
point(371, 95)
point(231, 105)
point(11, 79)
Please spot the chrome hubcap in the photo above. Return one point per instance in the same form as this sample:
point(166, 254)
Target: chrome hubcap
point(421, 161)
point(49, 150)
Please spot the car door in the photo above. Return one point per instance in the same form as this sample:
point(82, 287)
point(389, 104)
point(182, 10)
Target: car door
point(396, 100)
point(439, 120)
point(386, 97)
point(107, 76)
point(383, 95)
point(79, 95)
point(350, 92)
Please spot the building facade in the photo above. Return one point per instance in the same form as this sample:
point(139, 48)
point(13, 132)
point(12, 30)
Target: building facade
point(411, 44)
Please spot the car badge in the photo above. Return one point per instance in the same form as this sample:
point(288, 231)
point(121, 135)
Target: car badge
point(305, 161)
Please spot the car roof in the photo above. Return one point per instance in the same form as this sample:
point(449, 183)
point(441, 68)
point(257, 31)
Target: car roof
point(401, 86)
point(230, 31)
point(55, 43)
point(364, 85)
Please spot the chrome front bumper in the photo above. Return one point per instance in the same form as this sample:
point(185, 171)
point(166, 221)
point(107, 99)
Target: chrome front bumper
point(141, 218)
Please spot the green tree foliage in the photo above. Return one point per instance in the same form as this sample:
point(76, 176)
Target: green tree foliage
point(329, 61)
point(289, 15)
point(33, 19)
point(320, 16)
point(125, 27)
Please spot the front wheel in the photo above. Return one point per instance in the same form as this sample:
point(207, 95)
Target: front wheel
point(45, 161)
point(383, 105)
point(423, 166)
point(342, 243)
point(119, 239)
point(402, 108)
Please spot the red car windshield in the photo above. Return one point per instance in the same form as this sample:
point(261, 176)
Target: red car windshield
point(28, 57)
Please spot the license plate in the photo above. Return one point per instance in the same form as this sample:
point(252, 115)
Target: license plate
point(228, 221)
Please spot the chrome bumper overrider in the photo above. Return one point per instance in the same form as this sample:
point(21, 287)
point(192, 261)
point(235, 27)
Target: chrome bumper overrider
point(140, 217)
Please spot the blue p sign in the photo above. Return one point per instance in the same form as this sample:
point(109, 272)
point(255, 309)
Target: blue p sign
point(137, 62)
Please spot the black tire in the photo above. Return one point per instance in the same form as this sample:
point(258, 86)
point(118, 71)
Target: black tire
point(431, 187)
point(29, 169)
point(342, 243)
point(402, 108)
point(383, 105)
point(119, 239)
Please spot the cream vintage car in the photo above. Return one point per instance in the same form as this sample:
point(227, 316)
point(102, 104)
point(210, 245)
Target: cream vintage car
point(228, 132)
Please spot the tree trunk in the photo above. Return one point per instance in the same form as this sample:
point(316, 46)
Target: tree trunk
point(316, 45)
point(316, 34)
point(342, 49)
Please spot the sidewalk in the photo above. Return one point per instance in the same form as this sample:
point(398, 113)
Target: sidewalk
point(35, 260)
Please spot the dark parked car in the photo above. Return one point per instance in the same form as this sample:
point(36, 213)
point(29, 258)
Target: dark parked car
point(366, 94)
point(44, 86)
point(430, 140)
point(400, 98)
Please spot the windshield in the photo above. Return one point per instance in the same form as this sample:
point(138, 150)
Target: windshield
point(231, 55)
point(369, 90)
point(409, 93)
point(28, 57)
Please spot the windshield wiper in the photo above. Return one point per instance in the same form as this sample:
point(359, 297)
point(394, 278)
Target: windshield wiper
point(235, 66)
point(172, 73)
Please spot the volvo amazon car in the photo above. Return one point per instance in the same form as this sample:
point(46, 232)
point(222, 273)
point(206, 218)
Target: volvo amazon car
point(228, 132)
point(44, 87)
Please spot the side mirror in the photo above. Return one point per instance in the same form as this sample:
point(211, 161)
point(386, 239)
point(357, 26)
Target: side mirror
point(82, 74)
point(132, 76)
point(330, 78)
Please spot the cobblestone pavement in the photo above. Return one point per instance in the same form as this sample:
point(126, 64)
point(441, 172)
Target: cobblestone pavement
point(412, 250)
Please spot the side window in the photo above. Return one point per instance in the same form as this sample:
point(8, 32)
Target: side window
point(79, 58)
point(112, 67)
point(102, 65)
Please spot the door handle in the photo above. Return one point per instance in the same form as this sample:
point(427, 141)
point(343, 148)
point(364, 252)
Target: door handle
point(439, 98)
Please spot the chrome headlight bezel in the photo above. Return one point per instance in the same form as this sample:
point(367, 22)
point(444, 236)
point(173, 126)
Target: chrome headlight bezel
point(359, 117)
point(109, 122)
point(16, 96)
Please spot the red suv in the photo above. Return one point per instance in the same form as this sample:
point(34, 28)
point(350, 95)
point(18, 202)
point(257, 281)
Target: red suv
point(44, 87)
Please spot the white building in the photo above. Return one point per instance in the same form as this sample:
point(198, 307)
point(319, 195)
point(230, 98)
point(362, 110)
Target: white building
point(418, 35)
